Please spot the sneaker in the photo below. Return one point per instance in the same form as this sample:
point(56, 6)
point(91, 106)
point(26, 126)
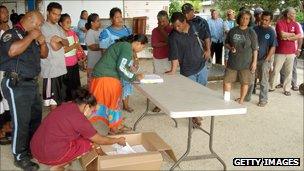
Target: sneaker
point(295, 88)
point(27, 165)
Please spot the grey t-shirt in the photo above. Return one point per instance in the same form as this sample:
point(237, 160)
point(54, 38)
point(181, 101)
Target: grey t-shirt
point(92, 37)
point(54, 65)
point(245, 42)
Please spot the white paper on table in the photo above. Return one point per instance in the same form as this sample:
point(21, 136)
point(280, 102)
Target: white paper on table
point(152, 78)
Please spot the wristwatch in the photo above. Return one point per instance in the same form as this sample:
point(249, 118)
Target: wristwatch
point(299, 50)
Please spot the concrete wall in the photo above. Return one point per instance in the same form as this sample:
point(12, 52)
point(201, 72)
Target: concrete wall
point(18, 5)
point(73, 8)
point(132, 8)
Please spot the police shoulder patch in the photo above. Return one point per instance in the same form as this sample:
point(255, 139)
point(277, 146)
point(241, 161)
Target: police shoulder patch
point(7, 37)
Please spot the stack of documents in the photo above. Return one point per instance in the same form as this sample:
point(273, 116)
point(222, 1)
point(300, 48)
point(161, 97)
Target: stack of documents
point(152, 78)
point(118, 149)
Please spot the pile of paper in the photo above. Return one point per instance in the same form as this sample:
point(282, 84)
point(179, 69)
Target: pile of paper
point(152, 78)
point(118, 149)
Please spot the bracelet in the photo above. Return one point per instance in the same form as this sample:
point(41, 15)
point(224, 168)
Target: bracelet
point(299, 50)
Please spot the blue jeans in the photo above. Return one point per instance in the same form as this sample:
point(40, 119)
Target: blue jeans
point(201, 77)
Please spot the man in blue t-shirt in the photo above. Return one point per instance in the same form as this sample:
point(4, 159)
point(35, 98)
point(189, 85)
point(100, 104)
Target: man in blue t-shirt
point(267, 44)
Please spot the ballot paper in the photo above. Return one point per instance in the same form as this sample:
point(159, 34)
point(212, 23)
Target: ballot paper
point(118, 149)
point(152, 78)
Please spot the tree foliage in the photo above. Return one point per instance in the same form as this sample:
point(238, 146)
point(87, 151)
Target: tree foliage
point(176, 5)
point(271, 5)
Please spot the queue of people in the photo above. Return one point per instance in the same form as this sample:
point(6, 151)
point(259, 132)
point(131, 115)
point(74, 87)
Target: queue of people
point(53, 50)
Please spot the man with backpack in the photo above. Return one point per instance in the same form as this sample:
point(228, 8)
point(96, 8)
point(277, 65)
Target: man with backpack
point(186, 48)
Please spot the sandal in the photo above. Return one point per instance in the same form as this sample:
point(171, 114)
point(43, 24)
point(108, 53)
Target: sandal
point(238, 100)
point(287, 93)
point(3, 139)
point(271, 90)
point(197, 121)
point(156, 110)
point(262, 104)
point(130, 110)
point(279, 86)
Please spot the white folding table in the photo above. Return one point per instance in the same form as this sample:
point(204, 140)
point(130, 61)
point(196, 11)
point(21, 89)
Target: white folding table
point(180, 97)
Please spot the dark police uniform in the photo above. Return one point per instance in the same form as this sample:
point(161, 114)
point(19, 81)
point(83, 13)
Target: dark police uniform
point(21, 93)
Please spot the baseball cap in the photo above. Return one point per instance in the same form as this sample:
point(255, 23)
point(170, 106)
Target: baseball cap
point(258, 11)
point(187, 7)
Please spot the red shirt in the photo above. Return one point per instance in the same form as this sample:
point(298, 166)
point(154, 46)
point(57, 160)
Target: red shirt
point(63, 126)
point(286, 46)
point(157, 37)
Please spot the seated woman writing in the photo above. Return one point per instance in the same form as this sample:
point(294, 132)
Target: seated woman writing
point(115, 64)
point(66, 133)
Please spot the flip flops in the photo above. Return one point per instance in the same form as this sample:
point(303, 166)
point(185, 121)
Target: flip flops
point(156, 110)
point(5, 139)
point(130, 110)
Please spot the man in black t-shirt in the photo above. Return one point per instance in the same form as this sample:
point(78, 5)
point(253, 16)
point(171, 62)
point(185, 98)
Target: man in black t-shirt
point(185, 48)
point(200, 23)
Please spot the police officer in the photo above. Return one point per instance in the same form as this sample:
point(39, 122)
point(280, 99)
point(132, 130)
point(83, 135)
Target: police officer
point(21, 50)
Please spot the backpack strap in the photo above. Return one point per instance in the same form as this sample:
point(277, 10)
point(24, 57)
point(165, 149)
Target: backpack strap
point(197, 37)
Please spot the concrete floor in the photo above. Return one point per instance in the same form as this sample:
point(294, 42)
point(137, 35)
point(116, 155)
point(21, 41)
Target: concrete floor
point(273, 131)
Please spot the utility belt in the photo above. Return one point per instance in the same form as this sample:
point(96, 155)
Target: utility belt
point(15, 78)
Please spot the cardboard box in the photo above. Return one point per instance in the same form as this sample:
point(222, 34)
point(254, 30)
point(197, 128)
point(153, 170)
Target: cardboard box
point(150, 160)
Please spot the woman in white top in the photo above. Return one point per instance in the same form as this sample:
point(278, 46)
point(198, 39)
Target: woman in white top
point(92, 41)
point(81, 27)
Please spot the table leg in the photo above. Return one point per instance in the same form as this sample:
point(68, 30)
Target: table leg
point(185, 157)
point(142, 116)
point(190, 127)
point(147, 113)
point(211, 143)
point(175, 122)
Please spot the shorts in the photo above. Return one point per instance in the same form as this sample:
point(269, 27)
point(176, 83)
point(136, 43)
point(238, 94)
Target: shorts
point(244, 76)
point(53, 91)
point(127, 89)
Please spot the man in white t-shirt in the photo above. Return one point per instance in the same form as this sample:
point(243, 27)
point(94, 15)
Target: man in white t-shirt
point(53, 68)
